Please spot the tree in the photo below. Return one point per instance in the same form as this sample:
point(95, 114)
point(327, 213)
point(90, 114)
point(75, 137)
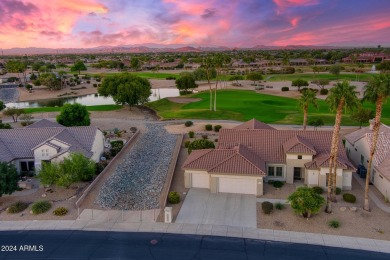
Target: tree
point(126, 88)
point(27, 119)
point(14, 113)
point(341, 96)
point(299, 83)
point(4, 125)
point(200, 144)
point(8, 178)
point(335, 69)
point(308, 97)
point(236, 78)
point(186, 82)
point(305, 201)
point(316, 123)
point(78, 66)
point(201, 74)
point(2, 106)
point(74, 115)
point(254, 76)
point(377, 91)
point(135, 63)
point(17, 66)
point(49, 173)
point(362, 115)
point(208, 65)
point(321, 83)
point(384, 66)
point(50, 80)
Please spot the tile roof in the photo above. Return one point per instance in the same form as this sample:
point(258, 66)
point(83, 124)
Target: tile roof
point(254, 124)
point(44, 123)
point(382, 152)
point(18, 143)
point(297, 144)
point(356, 135)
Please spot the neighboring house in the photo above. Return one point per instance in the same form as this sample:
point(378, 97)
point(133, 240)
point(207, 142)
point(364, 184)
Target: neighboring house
point(358, 146)
point(253, 153)
point(44, 140)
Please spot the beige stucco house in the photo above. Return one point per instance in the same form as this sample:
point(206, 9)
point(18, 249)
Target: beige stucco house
point(253, 153)
point(44, 140)
point(358, 146)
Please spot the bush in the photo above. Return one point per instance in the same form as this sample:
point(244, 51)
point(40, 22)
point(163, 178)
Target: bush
point(324, 91)
point(205, 137)
point(100, 166)
point(188, 123)
point(318, 190)
point(338, 191)
point(17, 207)
point(40, 207)
point(278, 184)
point(217, 128)
point(61, 211)
point(200, 144)
point(285, 88)
point(334, 224)
point(186, 144)
point(304, 201)
point(191, 134)
point(208, 127)
point(267, 207)
point(107, 155)
point(216, 140)
point(116, 147)
point(170, 78)
point(279, 206)
point(348, 197)
point(173, 197)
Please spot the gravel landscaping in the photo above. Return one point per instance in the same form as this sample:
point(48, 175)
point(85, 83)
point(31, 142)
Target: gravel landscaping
point(138, 181)
point(8, 95)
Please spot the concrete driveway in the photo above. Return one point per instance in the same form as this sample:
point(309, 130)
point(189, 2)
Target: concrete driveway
point(202, 207)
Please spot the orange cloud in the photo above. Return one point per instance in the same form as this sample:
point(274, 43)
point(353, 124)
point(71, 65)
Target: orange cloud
point(291, 3)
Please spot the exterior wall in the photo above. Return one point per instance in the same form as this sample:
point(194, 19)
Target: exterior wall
point(382, 184)
point(343, 178)
point(39, 156)
point(214, 184)
point(293, 161)
point(283, 178)
point(312, 178)
point(188, 177)
point(98, 146)
point(355, 151)
point(347, 180)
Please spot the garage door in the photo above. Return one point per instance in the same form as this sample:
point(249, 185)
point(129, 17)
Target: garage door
point(237, 185)
point(200, 180)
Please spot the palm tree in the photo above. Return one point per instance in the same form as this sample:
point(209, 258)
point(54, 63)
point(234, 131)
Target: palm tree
point(376, 91)
point(342, 96)
point(208, 64)
point(308, 98)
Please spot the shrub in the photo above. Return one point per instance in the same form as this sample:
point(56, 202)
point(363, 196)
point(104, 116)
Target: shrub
point(267, 207)
point(188, 123)
point(107, 155)
point(173, 197)
point(324, 91)
point(279, 206)
point(285, 88)
point(17, 207)
point(200, 144)
point(61, 211)
point(100, 166)
point(191, 134)
point(304, 201)
point(208, 127)
point(216, 140)
point(186, 144)
point(348, 197)
point(338, 191)
point(334, 224)
point(116, 147)
point(217, 128)
point(205, 137)
point(278, 184)
point(40, 207)
point(318, 190)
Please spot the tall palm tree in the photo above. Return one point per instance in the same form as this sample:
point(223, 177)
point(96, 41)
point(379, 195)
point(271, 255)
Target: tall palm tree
point(376, 91)
point(342, 96)
point(208, 64)
point(308, 98)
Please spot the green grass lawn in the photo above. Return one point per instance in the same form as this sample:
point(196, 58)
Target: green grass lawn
point(310, 77)
point(147, 75)
point(244, 105)
point(57, 109)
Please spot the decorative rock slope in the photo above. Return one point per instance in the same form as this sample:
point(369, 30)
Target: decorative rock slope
point(138, 181)
point(8, 95)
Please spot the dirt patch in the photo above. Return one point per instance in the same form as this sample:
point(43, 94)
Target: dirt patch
point(374, 224)
point(183, 100)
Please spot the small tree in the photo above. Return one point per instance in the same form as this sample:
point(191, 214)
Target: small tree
point(335, 69)
point(305, 201)
point(316, 123)
point(49, 173)
point(14, 113)
point(186, 82)
point(236, 78)
point(78, 66)
point(321, 83)
point(74, 115)
point(8, 178)
point(27, 119)
point(362, 115)
point(299, 83)
point(254, 76)
point(200, 144)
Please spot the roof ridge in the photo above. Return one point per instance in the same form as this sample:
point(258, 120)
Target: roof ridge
point(209, 150)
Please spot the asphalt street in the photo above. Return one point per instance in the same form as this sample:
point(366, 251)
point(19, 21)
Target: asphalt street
point(125, 245)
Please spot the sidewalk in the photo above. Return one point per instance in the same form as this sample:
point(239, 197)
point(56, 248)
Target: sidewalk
point(383, 206)
point(113, 221)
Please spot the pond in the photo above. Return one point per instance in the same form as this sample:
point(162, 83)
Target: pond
point(90, 100)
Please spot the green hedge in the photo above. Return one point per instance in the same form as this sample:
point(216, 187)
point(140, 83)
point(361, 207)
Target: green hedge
point(173, 197)
point(40, 207)
point(348, 197)
point(208, 127)
point(17, 207)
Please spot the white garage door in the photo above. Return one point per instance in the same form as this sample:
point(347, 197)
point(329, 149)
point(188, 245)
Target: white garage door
point(237, 185)
point(200, 180)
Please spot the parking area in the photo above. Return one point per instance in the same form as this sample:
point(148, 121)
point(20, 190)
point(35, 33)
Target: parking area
point(203, 207)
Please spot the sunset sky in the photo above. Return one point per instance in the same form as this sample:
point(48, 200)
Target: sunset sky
point(233, 23)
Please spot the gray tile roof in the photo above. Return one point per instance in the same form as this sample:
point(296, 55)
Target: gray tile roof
point(44, 123)
point(356, 135)
point(18, 143)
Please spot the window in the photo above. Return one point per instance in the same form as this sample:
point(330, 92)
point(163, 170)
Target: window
point(271, 171)
point(299, 157)
point(279, 171)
